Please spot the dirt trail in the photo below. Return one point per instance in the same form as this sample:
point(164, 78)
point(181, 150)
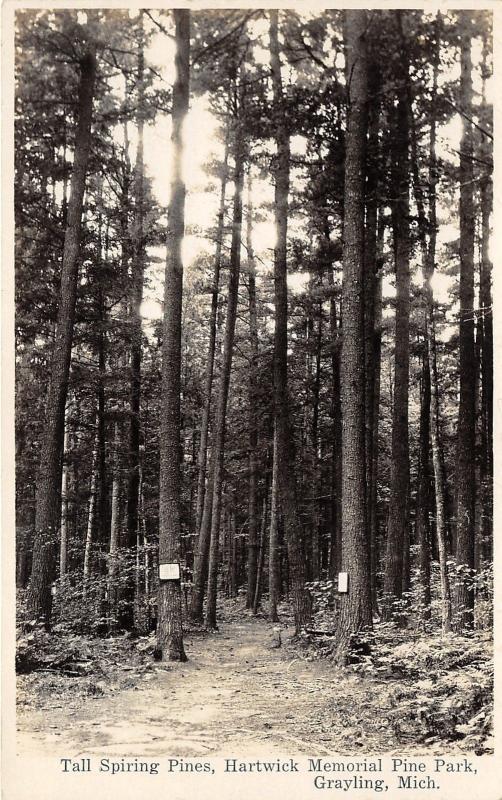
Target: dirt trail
point(236, 694)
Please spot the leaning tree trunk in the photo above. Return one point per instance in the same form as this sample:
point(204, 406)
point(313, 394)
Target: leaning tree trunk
point(47, 511)
point(169, 627)
point(224, 385)
point(465, 467)
point(283, 427)
point(355, 606)
point(399, 480)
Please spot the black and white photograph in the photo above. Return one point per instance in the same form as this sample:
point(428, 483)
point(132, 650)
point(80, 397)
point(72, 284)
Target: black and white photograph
point(252, 344)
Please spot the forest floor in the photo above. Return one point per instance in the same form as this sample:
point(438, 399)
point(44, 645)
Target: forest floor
point(236, 695)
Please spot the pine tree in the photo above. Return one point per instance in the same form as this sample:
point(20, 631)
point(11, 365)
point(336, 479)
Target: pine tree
point(49, 475)
point(285, 449)
point(355, 611)
point(170, 629)
point(464, 592)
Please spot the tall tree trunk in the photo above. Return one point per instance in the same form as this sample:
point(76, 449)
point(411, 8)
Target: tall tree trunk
point(261, 557)
point(136, 298)
point(224, 384)
point(274, 581)
point(140, 597)
point(284, 433)
point(170, 628)
point(91, 516)
point(336, 460)
point(137, 279)
point(355, 606)
point(114, 534)
point(465, 469)
point(233, 557)
point(63, 544)
point(204, 425)
point(316, 489)
point(370, 285)
point(118, 504)
point(429, 260)
point(47, 512)
point(373, 501)
point(253, 543)
point(102, 486)
point(201, 555)
point(485, 302)
point(439, 487)
point(399, 480)
point(422, 527)
point(205, 492)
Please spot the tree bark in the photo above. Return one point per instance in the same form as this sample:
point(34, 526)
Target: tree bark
point(355, 606)
point(284, 433)
point(47, 512)
point(169, 627)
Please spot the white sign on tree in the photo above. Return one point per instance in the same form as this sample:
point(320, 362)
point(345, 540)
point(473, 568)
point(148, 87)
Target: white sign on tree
point(169, 572)
point(343, 582)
